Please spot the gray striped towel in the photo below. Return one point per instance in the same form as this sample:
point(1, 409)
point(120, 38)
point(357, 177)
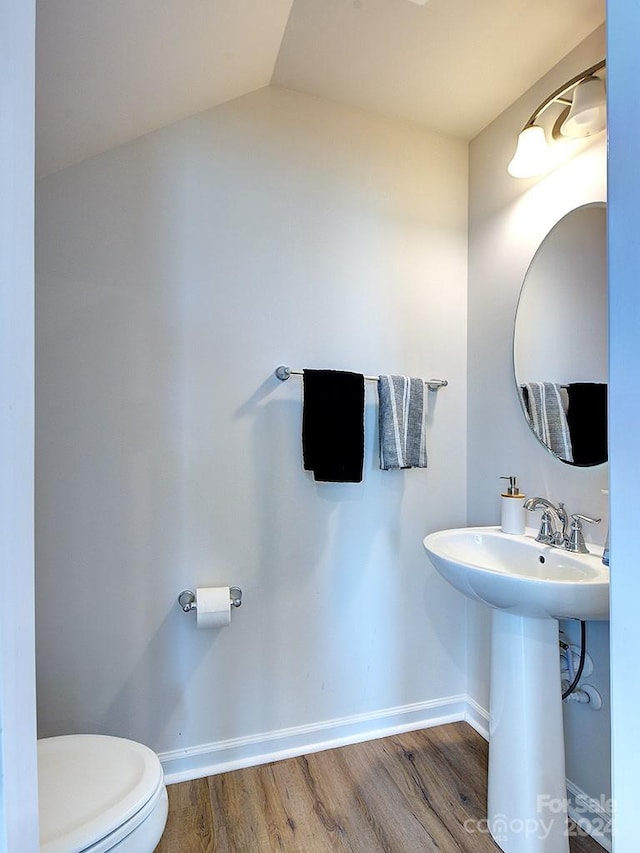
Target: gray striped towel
point(401, 407)
point(548, 418)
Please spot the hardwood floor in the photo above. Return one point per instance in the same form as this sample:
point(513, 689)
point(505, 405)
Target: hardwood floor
point(420, 791)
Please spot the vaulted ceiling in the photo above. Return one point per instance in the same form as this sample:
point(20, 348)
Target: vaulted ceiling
point(109, 71)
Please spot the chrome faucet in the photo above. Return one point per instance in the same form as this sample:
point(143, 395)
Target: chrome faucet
point(555, 529)
point(553, 525)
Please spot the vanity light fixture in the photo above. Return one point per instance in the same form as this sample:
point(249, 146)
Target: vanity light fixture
point(583, 115)
point(587, 115)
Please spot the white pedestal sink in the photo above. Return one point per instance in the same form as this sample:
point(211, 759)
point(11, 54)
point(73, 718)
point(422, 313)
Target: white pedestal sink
point(529, 586)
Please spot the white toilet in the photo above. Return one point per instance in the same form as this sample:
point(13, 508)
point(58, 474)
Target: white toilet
point(98, 794)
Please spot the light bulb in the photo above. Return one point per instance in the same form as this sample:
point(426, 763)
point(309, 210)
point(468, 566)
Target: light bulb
point(532, 155)
point(587, 115)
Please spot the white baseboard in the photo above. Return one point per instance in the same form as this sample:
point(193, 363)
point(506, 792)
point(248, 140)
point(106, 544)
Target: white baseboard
point(209, 759)
point(593, 816)
point(477, 717)
point(219, 757)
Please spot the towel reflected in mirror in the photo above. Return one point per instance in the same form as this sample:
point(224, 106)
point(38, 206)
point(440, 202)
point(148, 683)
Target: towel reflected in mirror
point(569, 419)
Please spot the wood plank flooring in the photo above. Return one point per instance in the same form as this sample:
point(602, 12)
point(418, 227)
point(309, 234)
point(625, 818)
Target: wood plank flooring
point(420, 791)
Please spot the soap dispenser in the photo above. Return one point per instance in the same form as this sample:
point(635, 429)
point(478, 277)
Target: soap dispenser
point(512, 507)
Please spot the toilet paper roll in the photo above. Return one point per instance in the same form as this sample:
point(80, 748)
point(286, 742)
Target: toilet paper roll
point(213, 607)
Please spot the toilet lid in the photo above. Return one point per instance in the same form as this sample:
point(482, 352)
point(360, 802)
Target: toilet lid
point(89, 785)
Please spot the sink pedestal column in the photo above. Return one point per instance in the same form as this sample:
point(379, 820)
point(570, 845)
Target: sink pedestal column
point(527, 807)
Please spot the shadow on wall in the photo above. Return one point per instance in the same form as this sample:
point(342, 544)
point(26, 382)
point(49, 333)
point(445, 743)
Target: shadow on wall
point(154, 690)
point(328, 549)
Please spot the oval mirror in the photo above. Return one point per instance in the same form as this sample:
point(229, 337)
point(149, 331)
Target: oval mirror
point(560, 339)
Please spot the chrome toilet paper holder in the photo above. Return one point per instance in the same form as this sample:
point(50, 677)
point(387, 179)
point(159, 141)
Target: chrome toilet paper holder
point(187, 598)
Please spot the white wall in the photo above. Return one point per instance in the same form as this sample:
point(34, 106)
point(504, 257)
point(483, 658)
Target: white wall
point(174, 274)
point(18, 784)
point(508, 219)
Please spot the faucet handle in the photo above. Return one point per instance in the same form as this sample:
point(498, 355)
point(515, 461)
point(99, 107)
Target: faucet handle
point(575, 540)
point(547, 533)
point(578, 517)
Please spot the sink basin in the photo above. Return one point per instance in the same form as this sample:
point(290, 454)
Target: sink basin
point(528, 586)
point(520, 575)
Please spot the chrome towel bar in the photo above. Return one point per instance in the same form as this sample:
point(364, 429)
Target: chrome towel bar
point(283, 373)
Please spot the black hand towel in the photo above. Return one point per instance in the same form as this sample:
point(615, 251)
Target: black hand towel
point(587, 419)
point(333, 425)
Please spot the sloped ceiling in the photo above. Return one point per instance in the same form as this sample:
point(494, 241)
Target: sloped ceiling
point(449, 65)
point(109, 71)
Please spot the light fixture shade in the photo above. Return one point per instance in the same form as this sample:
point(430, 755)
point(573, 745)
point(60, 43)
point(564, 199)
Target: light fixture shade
point(532, 155)
point(588, 114)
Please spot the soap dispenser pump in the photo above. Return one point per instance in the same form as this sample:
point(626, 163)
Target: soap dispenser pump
point(512, 507)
